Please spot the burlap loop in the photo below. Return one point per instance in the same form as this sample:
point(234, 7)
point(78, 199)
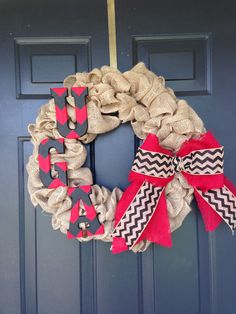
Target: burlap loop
point(137, 96)
point(104, 96)
point(99, 123)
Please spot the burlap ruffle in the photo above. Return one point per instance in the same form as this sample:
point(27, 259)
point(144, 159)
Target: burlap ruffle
point(137, 96)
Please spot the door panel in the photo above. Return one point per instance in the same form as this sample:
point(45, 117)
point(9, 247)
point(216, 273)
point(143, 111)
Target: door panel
point(192, 44)
point(41, 62)
point(41, 43)
point(183, 59)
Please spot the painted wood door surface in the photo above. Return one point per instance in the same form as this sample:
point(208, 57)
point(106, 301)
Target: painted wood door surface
point(191, 43)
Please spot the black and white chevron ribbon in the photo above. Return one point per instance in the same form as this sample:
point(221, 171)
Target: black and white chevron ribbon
point(138, 214)
point(199, 162)
point(207, 161)
point(223, 201)
point(153, 164)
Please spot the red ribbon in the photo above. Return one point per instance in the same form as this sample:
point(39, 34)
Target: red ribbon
point(142, 214)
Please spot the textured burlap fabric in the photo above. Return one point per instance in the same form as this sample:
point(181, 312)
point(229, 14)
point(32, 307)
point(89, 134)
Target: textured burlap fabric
point(137, 96)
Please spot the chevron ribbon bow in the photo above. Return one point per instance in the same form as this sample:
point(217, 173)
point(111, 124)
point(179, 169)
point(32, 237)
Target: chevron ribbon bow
point(142, 211)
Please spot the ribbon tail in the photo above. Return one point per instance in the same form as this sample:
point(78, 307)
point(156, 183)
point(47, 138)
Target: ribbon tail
point(145, 217)
point(218, 205)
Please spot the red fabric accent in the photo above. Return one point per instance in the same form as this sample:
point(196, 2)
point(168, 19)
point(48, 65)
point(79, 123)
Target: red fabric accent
point(151, 144)
point(206, 141)
point(134, 176)
point(210, 217)
point(118, 245)
point(205, 182)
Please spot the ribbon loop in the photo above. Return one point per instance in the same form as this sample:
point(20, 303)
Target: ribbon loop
point(153, 164)
point(205, 162)
point(201, 162)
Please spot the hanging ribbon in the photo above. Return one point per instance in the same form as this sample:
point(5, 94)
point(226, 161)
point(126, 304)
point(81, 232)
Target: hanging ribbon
point(142, 211)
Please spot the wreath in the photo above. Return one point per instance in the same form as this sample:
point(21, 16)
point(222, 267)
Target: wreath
point(177, 160)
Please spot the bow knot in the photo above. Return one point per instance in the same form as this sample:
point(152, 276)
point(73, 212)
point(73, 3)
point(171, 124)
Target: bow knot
point(178, 164)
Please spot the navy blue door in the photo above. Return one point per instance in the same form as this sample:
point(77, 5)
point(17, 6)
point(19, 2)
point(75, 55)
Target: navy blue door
point(192, 44)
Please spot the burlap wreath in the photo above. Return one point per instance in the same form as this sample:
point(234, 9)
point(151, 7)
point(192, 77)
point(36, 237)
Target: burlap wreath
point(137, 96)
